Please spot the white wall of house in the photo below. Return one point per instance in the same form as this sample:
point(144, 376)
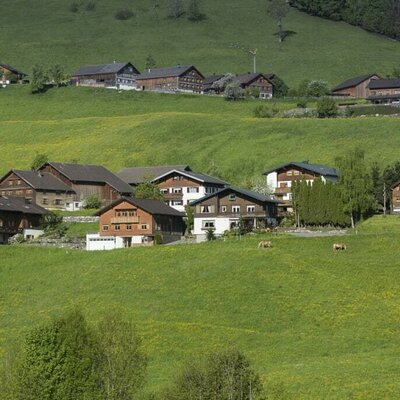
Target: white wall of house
point(188, 195)
point(73, 205)
point(272, 180)
point(96, 242)
point(32, 233)
point(221, 224)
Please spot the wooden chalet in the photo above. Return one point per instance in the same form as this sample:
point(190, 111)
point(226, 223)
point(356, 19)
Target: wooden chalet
point(38, 187)
point(119, 75)
point(180, 188)
point(209, 82)
point(19, 216)
point(280, 179)
point(355, 87)
point(222, 210)
point(88, 180)
point(180, 78)
point(262, 82)
point(137, 175)
point(384, 91)
point(129, 222)
point(9, 73)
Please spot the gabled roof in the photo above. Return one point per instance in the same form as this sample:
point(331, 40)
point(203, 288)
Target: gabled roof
point(12, 69)
point(209, 80)
point(166, 72)
point(41, 181)
point(154, 207)
point(90, 173)
point(19, 204)
point(316, 168)
point(100, 69)
point(137, 175)
point(246, 79)
point(245, 192)
point(353, 82)
point(384, 84)
point(194, 175)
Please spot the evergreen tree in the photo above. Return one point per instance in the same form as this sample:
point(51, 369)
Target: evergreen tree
point(194, 13)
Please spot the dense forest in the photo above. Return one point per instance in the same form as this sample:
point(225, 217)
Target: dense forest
point(380, 16)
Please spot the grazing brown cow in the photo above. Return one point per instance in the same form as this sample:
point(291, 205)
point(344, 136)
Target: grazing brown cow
point(265, 244)
point(339, 246)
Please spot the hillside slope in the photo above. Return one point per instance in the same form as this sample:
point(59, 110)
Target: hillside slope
point(50, 33)
point(136, 129)
point(322, 325)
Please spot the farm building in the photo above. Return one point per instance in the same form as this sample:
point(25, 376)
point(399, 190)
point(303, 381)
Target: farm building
point(117, 75)
point(384, 91)
point(355, 87)
point(89, 180)
point(38, 187)
point(222, 211)
point(11, 74)
point(180, 78)
point(130, 222)
point(19, 216)
point(261, 82)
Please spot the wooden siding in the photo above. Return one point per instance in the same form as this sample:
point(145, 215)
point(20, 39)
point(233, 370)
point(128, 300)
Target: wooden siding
point(262, 84)
point(359, 91)
point(12, 222)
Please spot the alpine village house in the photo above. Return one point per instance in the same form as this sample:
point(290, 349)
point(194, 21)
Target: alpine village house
point(129, 222)
point(280, 179)
point(222, 211)
point(17, 216)
point(118, 75)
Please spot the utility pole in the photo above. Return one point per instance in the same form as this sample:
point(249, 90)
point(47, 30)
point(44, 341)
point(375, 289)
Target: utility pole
point(253, 53)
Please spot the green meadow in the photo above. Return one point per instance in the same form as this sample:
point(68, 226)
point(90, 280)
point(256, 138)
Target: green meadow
point(315, 324)
point(210, 134)
point(49, 33)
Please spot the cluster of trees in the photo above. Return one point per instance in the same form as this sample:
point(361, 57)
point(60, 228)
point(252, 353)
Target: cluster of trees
point(319, 204)
point(382, 182)
point(380, 16)
point(42, 78)
point(70, 359)
point(176, 9)
point(346, 202)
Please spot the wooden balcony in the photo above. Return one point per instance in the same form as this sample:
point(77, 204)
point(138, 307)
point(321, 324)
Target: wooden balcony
point(283, 190)
point(125, 220)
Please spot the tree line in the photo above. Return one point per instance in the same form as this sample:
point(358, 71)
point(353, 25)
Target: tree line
point(70, 359)
point(362, 190)
point(379, 16)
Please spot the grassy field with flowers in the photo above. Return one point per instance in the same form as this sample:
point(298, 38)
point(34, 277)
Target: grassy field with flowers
point(316, 324)
point(210, 134)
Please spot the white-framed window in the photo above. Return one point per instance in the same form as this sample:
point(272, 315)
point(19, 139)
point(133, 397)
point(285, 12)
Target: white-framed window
point(206, 209)
point(177, 190)
point(236, 209)
point(129, 227)
point(177, 178)
point(143, 227)
point(208, 224)
point(289, 173)
point(104, 228)
point(117, 227)
point(251, 209)
point(224, 209)
point(164, 191)
point(232, 197)
point(193, 190)
point(177, 203)
point(296, 172)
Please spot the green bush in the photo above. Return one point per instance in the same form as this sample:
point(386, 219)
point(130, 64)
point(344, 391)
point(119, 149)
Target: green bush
point(252, 93)
point(327, 108)
point(92, 201)
point(302, 103)
point(210, 235)
point(157, 239)
point(263, 111)
point(124, 14)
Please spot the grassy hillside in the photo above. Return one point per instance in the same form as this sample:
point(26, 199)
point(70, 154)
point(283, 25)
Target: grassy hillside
point(134, 129)
point(322, 324)
point(49, 33)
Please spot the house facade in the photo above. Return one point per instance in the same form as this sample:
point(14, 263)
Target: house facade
point(355, 87)
point(10, 74)
point(38, 187)
point(115, 75)
point(396, 197)
point(222, 211)
point(17, 216)
point(384, 91)
point(180, 78)
point(258, 81)
point(280, 179)
point(130, 222)
point(89, 180)
point(179, 188)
